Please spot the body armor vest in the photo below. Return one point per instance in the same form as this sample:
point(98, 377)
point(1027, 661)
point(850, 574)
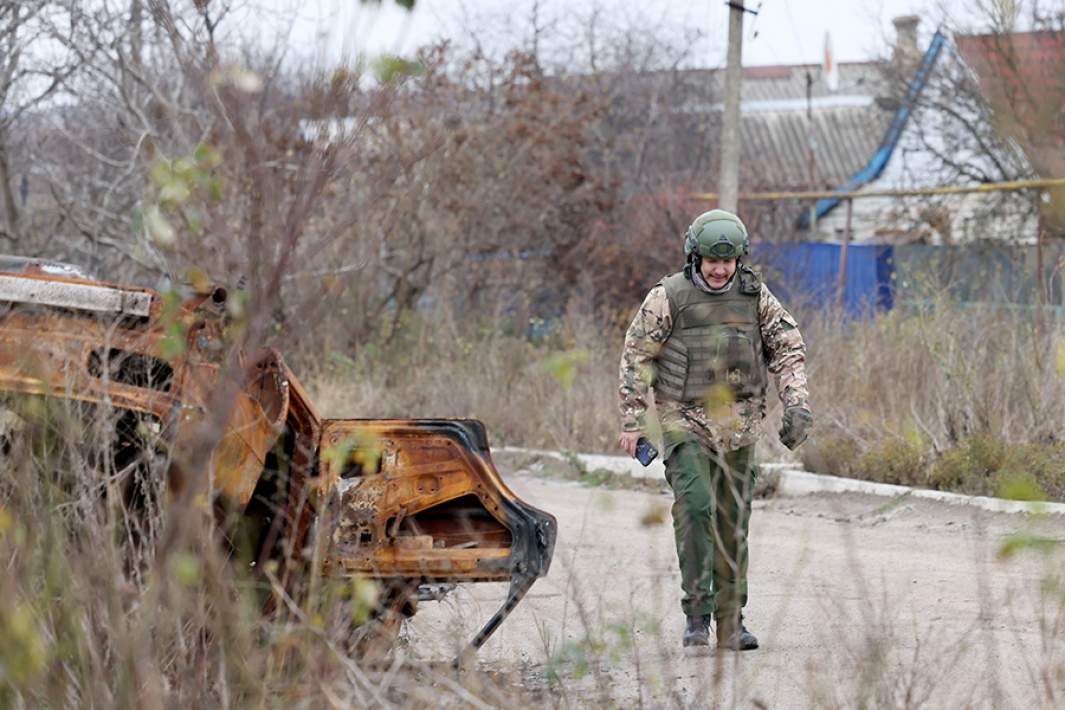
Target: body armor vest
point(716, 339)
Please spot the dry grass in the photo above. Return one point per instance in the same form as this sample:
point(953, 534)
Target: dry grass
point(99, 608)
point(93, 612)
point(954, 397)
point(968, 398)
point(554, 392)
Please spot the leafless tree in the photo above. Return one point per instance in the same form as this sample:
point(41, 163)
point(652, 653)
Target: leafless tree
point(34, 64)
point(991, 110)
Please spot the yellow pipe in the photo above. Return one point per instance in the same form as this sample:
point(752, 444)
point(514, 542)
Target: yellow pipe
point(920, 192)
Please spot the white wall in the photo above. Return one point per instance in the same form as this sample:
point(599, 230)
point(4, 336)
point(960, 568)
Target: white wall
point(934, 138)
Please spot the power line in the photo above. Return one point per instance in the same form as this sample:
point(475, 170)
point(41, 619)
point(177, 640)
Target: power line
point(791, 22)
point(753, 33)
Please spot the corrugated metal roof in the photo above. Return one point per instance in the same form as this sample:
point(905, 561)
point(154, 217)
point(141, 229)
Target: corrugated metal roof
point(776, 144)
point(773, 83)
point(789, 82)
point(696, 90)
point(847, 124)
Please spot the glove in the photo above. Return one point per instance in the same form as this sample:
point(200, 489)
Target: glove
point(796, 426)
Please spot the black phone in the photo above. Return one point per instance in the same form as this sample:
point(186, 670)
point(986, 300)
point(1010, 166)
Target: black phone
point(645, 451)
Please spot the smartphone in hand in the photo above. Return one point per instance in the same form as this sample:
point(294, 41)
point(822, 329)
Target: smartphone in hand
point(645, 451)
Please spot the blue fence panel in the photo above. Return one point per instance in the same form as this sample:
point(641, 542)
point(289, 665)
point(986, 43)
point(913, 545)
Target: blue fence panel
point(807, 274)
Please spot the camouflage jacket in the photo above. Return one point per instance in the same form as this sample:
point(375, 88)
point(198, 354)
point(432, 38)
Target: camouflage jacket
point(731, 425)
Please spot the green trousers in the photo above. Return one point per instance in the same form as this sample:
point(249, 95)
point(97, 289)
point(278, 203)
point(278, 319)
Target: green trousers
point(711, 517)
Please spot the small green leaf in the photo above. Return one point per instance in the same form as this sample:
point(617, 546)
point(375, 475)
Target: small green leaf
point(341, 359)
point(207, 156)
point(388, 68)
point(364, 597)
point(175, 192)
point(1022, 486)
point(214, 189)
point(563, 366)
point(237, 304)
point(574, 656)
point(173, 343)
point(238, 77)
point(24, 649)
point(198, 279)
point(161, 173)
point(337, 455)
point(184, 168)
point(185, 568)
point(194, 218)
point(1020, 542)
point(655, 514)
point(136, 222)
point(159, 229)
point(367, 451)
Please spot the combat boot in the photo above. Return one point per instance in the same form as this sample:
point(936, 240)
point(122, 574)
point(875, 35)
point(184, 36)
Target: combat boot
point(698, 631)
point(733, 635)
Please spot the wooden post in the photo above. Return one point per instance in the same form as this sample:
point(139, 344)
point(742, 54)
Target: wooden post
point(841, 288)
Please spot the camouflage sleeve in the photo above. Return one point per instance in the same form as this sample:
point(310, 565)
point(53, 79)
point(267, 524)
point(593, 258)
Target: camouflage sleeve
point(643, 340)
point(785, 350)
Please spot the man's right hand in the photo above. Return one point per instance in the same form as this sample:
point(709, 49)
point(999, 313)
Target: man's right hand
point(627, 441)
point(796, 426)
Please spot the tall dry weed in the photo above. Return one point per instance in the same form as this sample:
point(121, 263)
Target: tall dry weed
point(918, 397)
point(100, 608)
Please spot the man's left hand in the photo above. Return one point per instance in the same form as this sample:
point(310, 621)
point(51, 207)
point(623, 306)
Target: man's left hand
point(796, 426)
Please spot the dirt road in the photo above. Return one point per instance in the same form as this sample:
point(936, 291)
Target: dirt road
point(857, 601)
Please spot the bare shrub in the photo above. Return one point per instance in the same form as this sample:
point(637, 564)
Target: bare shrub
point(926, 398)
point(921, 384)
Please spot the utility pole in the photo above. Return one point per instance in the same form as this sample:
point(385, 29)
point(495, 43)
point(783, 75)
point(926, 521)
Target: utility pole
point(811, 145)
point(729, 180)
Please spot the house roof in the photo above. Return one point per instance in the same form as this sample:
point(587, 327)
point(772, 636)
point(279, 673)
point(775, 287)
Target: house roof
point(1020, 75)
point(847, 124)
point(789, 81)
point(1020, 67)
point(777, 144)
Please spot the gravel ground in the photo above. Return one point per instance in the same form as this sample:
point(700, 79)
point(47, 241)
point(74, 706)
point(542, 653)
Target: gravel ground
point(857, 601)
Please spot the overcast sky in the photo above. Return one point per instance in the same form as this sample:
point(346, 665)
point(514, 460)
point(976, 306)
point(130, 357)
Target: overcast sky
point(783, 32)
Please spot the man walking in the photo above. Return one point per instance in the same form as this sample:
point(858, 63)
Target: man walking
point(706, 339)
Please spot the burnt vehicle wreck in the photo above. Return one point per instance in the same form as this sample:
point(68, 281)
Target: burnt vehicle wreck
point(416, 505)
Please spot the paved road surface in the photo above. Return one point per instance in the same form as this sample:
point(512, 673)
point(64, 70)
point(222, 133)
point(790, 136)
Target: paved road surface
point(856, 600)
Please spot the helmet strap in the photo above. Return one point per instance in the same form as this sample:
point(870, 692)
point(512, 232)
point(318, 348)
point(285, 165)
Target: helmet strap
point(694, 261)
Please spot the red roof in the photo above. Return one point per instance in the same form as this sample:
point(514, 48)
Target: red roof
point(775, 71)
point(1020, 64)
point(1022, 74)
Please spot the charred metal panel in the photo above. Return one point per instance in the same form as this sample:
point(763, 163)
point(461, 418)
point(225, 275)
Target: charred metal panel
point(421, 498)
point(407, 502)
point(78, 296)
point(60, 355)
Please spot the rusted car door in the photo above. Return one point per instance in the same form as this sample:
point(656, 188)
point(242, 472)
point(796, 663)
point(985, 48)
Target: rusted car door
point(421, 500)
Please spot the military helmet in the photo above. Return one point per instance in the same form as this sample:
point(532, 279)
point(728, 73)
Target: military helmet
point(717, 234)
